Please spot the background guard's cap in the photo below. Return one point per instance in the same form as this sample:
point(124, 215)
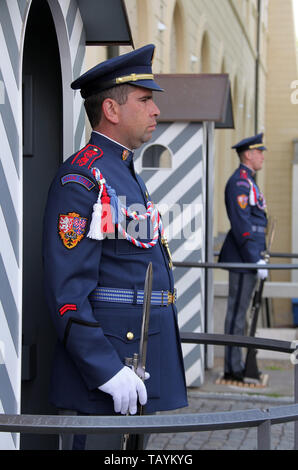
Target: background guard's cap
point(250, 143)
point(134, 68)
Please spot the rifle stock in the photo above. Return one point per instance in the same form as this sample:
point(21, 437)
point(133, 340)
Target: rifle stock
point(251, 368)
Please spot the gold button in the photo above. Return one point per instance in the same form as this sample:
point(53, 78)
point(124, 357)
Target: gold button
point(130, 335)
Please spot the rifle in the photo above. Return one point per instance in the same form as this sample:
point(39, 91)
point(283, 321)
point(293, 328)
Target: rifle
point(138, 361)
point(251, 368)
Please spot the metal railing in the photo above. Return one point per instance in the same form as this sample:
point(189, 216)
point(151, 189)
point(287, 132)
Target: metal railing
point(196, 422)
point(175, 423)
point(253, 266)
point(179, 423)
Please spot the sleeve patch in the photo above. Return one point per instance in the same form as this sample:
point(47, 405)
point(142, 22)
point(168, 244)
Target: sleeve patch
point(246, 234)
point(242, 201)
point(67, 307)
point(71, 229)
point(75, 178)
point(245, 184)
point(87, 156)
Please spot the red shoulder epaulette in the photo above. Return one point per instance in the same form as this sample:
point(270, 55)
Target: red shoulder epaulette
point(87, 156)
point(243, 173)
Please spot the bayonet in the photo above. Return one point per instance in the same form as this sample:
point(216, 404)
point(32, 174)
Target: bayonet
point(141, 363)
point(138, 361)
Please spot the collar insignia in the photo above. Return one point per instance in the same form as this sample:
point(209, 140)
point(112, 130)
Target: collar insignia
point(125, 154)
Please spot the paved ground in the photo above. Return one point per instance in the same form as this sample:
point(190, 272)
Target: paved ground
point(212, 397)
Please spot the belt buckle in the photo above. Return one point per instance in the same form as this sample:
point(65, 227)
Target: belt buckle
point(167, 298)
point(171, 297)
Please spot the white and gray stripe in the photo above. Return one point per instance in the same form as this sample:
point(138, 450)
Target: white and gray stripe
point(77, 44)
point(13, 18)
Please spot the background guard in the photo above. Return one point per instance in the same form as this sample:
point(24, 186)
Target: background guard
point(244, 243)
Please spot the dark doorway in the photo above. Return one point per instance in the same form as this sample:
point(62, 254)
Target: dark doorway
point(42, 154)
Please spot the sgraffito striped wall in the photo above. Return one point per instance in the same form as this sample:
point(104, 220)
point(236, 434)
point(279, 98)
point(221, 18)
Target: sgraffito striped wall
point(76, 38)
point(179, 192)
point(71, 38)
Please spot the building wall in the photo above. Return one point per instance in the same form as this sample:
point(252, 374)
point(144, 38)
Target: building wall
point(281, 130)
point(212, 36)
point(193, 36)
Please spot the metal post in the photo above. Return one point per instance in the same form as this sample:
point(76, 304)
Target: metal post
point(296, 401)
point(209, 248)
point(264, 435)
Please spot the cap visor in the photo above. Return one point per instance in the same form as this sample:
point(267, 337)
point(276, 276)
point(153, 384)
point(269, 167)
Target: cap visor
point(150, 84)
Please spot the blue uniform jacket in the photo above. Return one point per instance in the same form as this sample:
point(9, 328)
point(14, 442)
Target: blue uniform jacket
point(92, 335)
point(246, 209)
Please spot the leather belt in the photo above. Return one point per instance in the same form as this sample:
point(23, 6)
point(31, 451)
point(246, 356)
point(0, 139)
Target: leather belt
point(162, 298)
point(259, 228)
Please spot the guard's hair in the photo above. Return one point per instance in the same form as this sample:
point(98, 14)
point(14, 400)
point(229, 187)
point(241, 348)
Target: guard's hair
point(93, 104)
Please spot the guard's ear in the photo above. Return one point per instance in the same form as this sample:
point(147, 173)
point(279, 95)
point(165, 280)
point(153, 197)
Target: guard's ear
point(110, 109)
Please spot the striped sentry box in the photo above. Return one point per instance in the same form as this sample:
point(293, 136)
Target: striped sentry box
point(71, 38)
point(178, 190)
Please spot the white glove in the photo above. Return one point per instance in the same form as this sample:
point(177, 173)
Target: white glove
point(125, 387)
point(262, 273)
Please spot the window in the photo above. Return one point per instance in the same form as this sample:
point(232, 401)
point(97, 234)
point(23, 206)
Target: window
point(157, 156)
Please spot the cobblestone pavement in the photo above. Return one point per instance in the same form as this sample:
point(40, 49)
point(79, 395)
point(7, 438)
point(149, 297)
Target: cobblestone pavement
point(211, 398)
point(282, 435)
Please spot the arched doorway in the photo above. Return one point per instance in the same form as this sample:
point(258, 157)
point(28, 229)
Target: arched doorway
point(42, 154)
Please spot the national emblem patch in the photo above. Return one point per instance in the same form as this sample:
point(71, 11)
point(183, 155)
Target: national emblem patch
point(71, 229)
point(242, 200)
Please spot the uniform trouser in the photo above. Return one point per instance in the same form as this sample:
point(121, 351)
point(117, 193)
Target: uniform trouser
point(102, 441)
point(241, 286)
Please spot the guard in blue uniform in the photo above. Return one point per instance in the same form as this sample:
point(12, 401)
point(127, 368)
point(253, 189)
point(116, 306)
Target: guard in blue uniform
point(101, 230)
point(244, 243)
